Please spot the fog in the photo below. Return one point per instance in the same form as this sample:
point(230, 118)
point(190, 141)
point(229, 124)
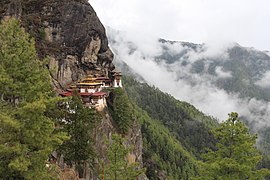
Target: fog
point(264, 81)
point(210, 21)
point(138, 53)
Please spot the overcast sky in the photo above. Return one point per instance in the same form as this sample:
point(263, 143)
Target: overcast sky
point(198, 21)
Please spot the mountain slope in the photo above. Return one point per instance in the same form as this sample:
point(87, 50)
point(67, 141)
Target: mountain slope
point(237, 69)
point(163, 155)
point(190, 126)
point(175, 133)
point(217, 79)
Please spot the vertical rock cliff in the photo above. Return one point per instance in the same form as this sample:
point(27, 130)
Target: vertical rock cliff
point(68, 33)
point(72, 40)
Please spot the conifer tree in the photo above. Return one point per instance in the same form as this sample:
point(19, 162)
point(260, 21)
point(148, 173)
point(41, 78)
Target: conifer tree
point(27, 135)
point(236, 156)
point(118, 166)
point(79, 122)
point(22, 75)
point(122, 110)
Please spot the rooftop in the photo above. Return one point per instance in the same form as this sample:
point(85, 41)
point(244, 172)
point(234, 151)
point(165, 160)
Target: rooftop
point(99, 94)
point(89, 83)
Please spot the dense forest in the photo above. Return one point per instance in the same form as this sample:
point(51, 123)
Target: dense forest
point(192, 142)
point(164, 156)
point(190, 126)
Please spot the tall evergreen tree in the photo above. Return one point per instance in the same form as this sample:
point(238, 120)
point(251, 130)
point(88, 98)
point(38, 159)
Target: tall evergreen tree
point(22, 75)
point(122, 110)
point(78, 122)
point(236, 156)
point(118, 166)
point(27, 135)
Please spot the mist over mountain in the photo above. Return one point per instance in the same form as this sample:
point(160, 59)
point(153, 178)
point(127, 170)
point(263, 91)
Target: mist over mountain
point(216, 78)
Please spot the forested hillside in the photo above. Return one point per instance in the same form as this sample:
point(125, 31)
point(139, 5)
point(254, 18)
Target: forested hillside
point(175, 133)
point(163, 155)
point(181, 142)
point(190, 126)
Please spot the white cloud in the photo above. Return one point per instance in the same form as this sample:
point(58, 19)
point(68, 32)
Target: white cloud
point(174, 48)
point(210, 51)
point(221, 73)
point(265, 81)
point(209, 21)
point(196, 89)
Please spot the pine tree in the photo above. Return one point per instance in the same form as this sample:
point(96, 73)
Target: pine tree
point(27, 135)
point(122, 110)
point(118, 167)
point(236, 156)
point(22, 76)
point(79, 122)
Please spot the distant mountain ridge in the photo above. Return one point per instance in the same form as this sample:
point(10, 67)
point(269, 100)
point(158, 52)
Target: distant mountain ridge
point(245, 65)
point(216, 79)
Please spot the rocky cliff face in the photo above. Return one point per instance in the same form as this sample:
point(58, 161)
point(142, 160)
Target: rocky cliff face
point(104, 131)
point(68, 32)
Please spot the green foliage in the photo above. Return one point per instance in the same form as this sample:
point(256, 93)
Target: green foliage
point(121, 110)
point(78, 123)
point(42, 33)
point(163, 153)
point(118, 167)
point(236, 156)
point(264, 142)
point(22, 76)
point(174, 132)
point(189, 125)
point(27, 135)
point(27, 138)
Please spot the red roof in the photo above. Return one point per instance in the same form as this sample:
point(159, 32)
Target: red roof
point(65, 93)
point(70, 90)
point(96, 94)
point(85, 94)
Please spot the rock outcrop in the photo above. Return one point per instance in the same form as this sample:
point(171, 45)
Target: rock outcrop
point(104, 132)
point(68, 33)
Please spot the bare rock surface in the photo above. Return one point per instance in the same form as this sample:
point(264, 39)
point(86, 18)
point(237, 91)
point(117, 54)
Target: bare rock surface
point(68, 33)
